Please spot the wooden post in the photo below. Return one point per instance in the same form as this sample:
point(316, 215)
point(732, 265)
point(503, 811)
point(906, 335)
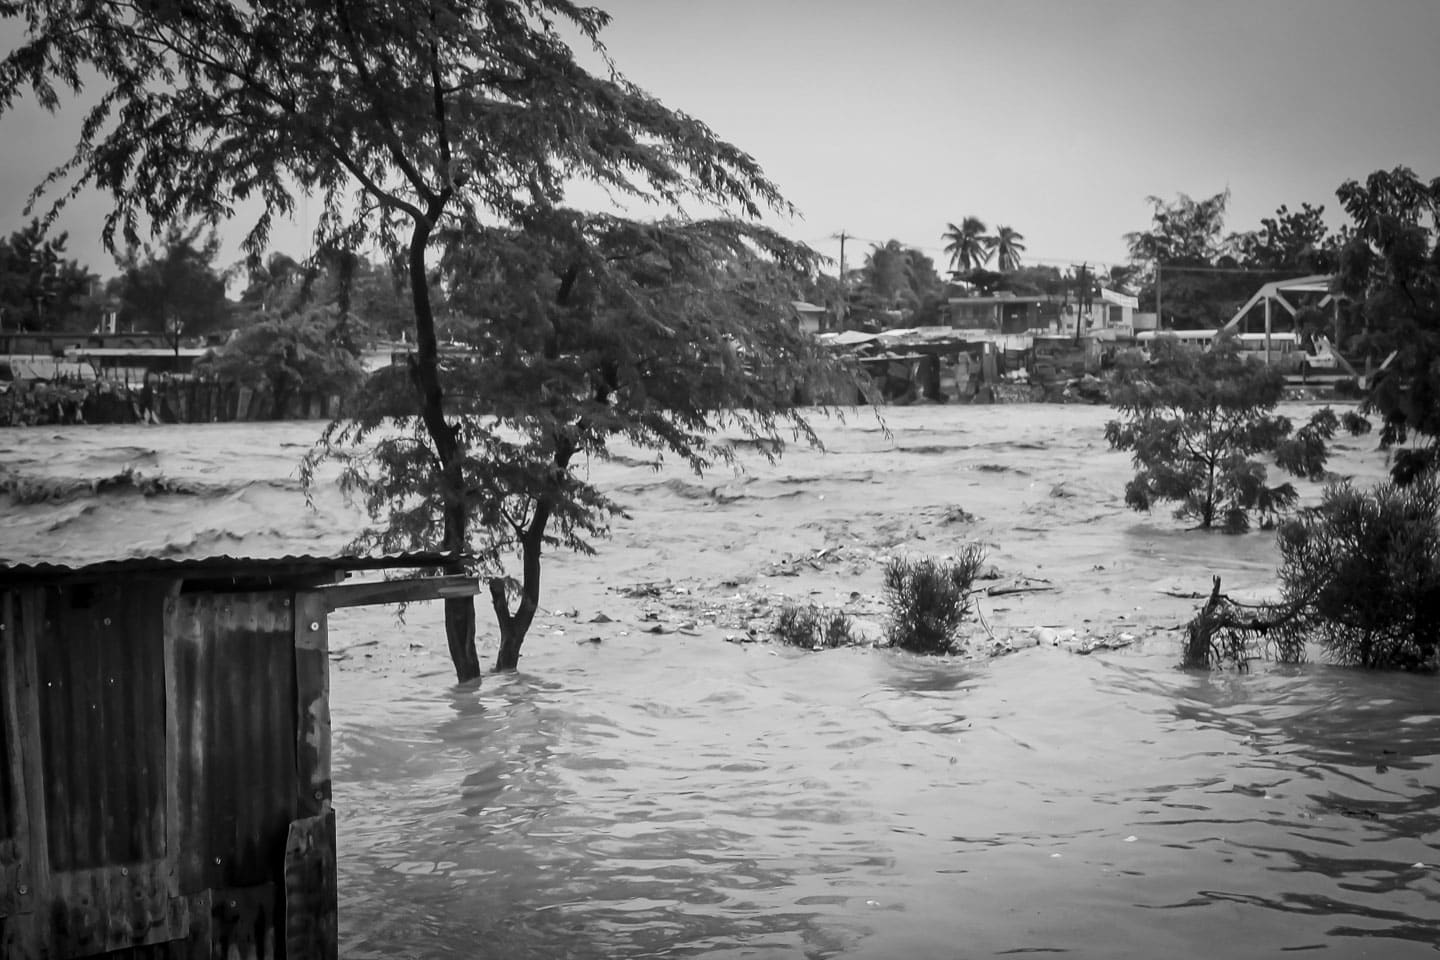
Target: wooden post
point(312, 706)
point(311, 882)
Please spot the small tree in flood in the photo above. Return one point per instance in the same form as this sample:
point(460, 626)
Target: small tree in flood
point(1196, 421)
point(578, 331)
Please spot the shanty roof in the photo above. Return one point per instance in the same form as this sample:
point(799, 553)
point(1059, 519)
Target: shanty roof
point(242, 567)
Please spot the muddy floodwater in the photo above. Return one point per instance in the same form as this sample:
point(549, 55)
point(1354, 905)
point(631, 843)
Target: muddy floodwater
point(659, 781)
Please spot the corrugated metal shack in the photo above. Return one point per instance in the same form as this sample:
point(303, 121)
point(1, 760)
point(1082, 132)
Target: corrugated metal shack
point(165, 754)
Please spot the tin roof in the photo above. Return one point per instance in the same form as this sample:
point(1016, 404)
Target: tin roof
point(222, 566)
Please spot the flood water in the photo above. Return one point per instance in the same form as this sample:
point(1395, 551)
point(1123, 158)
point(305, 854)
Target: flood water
point(672, 794)
point(688, 798)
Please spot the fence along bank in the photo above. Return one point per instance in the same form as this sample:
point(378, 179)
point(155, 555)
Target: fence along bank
point(165, 753)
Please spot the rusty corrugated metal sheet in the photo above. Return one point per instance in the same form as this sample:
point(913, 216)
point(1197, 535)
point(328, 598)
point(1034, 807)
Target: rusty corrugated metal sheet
point(222, 566)
point(7, 782)
point(235, 683)
point(101, 697)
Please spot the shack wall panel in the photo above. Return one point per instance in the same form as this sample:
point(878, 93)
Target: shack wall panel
point(26, 611)
point(10, 802)
point(117, 908)
point(8, 781)
point(236, 752)
point(102, 719)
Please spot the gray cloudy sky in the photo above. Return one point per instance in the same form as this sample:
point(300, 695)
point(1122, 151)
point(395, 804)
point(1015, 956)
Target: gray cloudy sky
point(1054, 117)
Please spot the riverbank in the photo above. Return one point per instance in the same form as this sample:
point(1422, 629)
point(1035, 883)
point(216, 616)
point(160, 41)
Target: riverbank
point(33, 403)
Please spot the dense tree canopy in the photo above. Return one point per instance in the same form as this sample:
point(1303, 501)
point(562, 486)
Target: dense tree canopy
point(173, 287)
point(897, 278)
point(40, 289)
point(1292, 241)
point(287, 354)
point(1390, 266)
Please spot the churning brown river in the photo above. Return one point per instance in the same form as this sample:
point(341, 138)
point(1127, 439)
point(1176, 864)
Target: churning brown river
point(651, 783)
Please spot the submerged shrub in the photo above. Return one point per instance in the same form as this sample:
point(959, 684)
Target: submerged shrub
point(812, 627)
point(929, 599)
point(1362, 572)
point(1226, 631)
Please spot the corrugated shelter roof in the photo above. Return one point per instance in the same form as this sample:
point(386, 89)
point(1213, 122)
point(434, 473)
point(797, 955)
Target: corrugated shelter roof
point(222, 566)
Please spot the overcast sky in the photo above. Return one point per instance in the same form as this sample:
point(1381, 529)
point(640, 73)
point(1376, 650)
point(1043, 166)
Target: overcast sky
point(1054, 117)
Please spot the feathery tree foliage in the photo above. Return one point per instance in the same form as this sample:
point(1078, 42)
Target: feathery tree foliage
point(1195, 420)
point(420, 126)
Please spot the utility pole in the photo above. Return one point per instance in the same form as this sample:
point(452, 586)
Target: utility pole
point(840, 307)
point(1159, 323)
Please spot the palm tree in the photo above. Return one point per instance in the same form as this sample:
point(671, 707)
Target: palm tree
point(1007, 243)
point(969, 248)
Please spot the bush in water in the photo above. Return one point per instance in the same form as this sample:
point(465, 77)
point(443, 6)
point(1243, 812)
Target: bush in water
point(1362, 573)
point(929, 599)
point(812, 627)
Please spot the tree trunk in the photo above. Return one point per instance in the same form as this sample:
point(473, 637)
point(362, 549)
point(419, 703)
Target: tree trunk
point(512, 635)
point(460, 632)
point(425, 374)
point(514, 627)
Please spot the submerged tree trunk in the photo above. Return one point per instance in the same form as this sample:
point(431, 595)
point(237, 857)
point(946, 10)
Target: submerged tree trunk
point(514, 626)
point(425, 373)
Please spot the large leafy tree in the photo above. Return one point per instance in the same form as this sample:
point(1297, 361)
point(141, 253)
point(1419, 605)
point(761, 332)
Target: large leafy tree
point(286, 354)
point(897, 277)
point(1196, 421)
point(1182, 231)
point(174, 286)
point(1390, 266)
point(581, 329)
point(414, 123)
point(968, 245)
point(40, 289)
point(1291, 241)
point(1184, 259)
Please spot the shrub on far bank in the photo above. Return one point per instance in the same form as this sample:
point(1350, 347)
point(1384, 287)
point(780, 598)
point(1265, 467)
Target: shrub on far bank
point(929, 599)
point(812, 627)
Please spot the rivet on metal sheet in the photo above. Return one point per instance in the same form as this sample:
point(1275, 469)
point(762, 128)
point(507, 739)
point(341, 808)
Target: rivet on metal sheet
point(314, 626)
point(124, 871)
point(22, 889)
point(217, 861)
point(319, 794)
point(107, 621)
